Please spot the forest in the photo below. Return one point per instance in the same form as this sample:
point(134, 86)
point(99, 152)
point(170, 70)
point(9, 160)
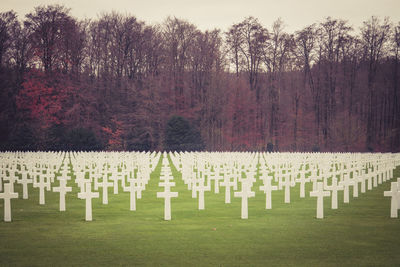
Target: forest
point(118, 83)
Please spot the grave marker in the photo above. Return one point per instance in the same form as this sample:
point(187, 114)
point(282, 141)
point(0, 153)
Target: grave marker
point(228, 184)
point(394, 194)
point(25, 181)
point(334, 187)
point(267, 188)
point(346, 183)
point(7, 195)
point(245, 194)
point(42, 185)
point(132, 189)
point(201, 188)
point(62, 189)
point(320, 194)
point(167, 195)
point(105, 184)
point(88, 195)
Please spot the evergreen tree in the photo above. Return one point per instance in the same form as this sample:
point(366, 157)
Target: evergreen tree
point(180, 135)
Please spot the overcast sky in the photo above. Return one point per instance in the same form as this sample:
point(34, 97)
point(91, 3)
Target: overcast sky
point(210, 14)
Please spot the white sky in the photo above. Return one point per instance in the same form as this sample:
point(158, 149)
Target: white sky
point(210, 14)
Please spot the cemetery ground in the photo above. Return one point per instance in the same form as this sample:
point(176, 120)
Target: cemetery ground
point(360, 233)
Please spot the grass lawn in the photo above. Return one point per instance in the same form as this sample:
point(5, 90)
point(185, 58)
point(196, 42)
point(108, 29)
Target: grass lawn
point(357, 234)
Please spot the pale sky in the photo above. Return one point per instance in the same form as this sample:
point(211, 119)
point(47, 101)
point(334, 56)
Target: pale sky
point(210, 14)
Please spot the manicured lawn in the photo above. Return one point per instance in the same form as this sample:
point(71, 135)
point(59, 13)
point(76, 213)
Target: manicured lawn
point(357, 234)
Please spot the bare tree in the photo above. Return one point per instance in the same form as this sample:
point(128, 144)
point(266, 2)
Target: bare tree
point(234, 40)
point(275, 55)
point(9, 26)
point(46, 27)
point(178, 37)
point(374, 35)
point(333, 34)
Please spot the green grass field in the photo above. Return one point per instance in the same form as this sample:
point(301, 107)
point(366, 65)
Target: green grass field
point(357, 234)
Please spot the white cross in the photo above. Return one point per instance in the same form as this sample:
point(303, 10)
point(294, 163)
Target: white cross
point(380, 177)
point(64, 173)
point(394, 194)
point(201, 188)
point(132, 189)
point(105, 184)
point(346, 183)
point(277, 175)
point(287, 184)
point(217, 178)
point(375, 175)
point(236, 175)
point(42, 185)
point(167, 195)
point(227, 183)
point(314, 179)
point(62, 189)
point(11, 179)
point(141, 184)
point(369, 179)
point(81, 180)
point(88, 195)
point(25, 181)
point(114, 177)
point(267, 188)
point(250, 176)
point(320, 194)
point(7, 195)
point(302, 180)
point(245, 194)
point(361, 179)
point(334, 188)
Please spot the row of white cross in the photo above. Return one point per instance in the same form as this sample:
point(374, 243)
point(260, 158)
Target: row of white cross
point(90, 168)
point(199, 170)
point(166, 182)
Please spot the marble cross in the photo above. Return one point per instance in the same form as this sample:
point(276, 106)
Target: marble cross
point(114, 177)
point(167, 195)
point(62, 189)
point(42, 185)
point(287, 184)
point(227, 183)
point(105, 184)
point(25, 181)
point(302, 180)
point(88, 195)
point(334, 187)
point(346, 183)
point(394, 194)
point(7, 195)
point(267, 188)
point(132, 189)
point(320, 194)
point(201, 188)
point(361, 179)
point(245, 194)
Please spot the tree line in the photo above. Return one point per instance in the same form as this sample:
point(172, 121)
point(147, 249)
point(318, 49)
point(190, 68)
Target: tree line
point(117, 81)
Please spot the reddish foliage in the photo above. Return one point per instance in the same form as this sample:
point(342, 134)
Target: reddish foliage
point(241, 127)
point(42, 98)
point(114, 137)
